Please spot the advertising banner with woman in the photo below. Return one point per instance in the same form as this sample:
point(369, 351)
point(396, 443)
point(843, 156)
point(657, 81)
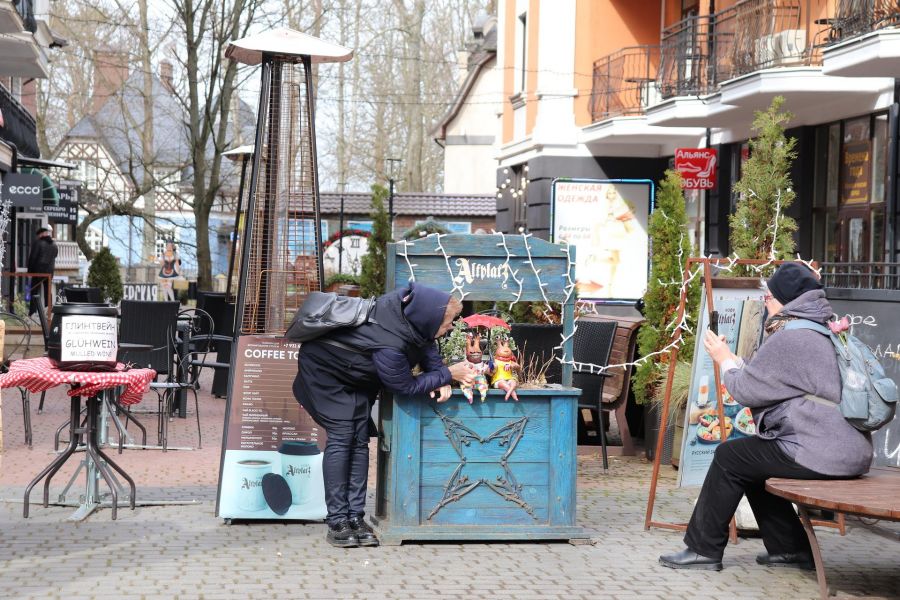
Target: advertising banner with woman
point(606, 220)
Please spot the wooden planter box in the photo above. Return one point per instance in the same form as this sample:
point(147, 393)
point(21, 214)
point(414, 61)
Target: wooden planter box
point(486, 471)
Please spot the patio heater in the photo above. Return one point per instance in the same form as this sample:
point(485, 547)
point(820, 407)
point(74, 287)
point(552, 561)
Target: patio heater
point(281, 259)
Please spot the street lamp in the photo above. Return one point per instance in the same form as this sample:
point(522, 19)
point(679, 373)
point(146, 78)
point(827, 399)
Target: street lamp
point(343, 185)
point(392, 166)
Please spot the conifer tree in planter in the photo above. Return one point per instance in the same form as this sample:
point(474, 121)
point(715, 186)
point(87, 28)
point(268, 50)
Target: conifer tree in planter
point(759, 227)
point(374, 263)
point(671, 249)
point(104, 274)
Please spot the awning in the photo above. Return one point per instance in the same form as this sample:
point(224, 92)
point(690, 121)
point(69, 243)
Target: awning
point(49, 193)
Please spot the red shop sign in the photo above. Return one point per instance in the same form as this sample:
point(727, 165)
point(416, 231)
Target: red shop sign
point(697, 167)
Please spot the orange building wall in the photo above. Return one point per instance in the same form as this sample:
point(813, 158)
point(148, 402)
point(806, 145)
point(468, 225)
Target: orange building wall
point(602, 28)
point(531, 78)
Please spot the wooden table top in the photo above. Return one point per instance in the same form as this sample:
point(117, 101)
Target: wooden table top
point(876, 494)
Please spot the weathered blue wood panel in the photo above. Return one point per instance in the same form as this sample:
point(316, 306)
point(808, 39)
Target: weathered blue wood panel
point(563, 459)
point(406, 454)
point(524, 492)
point(487, 517)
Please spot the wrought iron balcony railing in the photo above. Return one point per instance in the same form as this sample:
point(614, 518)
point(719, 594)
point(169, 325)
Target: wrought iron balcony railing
point(856, 17)
point(19, 126)
point(684, 58)
point(624, 82)
point(25, 8)
point(757, 34)
point(700, 52)
point(872, 276)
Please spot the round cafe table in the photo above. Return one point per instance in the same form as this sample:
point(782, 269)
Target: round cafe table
point(39, 375)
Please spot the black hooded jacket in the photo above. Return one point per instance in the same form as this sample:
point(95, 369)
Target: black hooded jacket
point(400, 335)
point(42, 255)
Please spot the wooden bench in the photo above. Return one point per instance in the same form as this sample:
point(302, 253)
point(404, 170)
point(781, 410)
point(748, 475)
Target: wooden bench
point(876, 495)
point(618, 385)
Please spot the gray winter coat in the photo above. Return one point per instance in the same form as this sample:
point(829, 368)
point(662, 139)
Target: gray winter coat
point(788, 365)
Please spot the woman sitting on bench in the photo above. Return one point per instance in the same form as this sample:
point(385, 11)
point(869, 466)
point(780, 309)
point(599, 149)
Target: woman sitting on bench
point(797, 437)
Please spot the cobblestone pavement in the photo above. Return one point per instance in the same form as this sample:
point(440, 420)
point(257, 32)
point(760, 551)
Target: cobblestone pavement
point(184, 551)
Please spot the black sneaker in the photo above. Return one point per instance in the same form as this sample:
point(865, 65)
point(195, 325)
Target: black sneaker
point(364, 533)
point(341, 535)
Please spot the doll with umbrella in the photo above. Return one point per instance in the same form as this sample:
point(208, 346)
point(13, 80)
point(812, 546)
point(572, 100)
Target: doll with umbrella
point(502, 368)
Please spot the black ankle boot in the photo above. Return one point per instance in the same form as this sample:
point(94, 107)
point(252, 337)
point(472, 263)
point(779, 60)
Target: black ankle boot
point(364, 533)
point(341, 535)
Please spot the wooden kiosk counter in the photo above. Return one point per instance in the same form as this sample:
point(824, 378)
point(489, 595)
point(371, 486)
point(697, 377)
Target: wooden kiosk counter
point(483, 471)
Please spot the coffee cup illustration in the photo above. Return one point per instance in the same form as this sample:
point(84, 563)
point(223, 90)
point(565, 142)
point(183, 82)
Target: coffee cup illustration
point(298, 460)
point(249, 478)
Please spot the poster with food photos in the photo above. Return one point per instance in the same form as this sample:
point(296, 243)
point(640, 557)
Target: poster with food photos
point(740, 319)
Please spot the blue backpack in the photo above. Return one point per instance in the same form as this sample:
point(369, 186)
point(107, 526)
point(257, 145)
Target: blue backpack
point(868, 396)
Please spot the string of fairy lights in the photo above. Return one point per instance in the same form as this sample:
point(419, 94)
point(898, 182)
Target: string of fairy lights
point(585, 308)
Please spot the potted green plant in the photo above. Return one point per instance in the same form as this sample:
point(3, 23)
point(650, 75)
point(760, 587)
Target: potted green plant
point(671, 249)
point(372, 274)
point(760, 228)
point(342, 283)
point(104, 274)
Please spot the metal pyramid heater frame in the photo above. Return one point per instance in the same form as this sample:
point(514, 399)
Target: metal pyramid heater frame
point(281, 260)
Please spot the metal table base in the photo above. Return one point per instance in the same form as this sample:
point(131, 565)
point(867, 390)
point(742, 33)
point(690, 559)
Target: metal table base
point(96, 464)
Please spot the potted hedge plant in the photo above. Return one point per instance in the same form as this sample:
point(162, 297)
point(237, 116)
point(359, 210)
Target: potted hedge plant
point(671, 249)
point(759, 227)
point(104, 274)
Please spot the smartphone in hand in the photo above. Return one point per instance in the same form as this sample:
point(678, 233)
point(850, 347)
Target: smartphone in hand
point(714, 322)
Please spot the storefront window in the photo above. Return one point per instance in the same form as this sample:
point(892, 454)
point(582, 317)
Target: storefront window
point(879, 158)
point(878, 233)
point(848, 212)
point(834, 162)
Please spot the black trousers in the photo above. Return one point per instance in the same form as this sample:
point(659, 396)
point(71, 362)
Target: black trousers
point(337, 388)
point(741, 467)
point(345, 467)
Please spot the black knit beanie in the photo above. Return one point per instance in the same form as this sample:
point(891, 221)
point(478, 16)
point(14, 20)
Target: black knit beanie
point(791, 280)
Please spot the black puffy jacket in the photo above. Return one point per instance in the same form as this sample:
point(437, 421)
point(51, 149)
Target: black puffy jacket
point(400, 335)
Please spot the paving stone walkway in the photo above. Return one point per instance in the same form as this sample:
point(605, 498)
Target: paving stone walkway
point(184, 551)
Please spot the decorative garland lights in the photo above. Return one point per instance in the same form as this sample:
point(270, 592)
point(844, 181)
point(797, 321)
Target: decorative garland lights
point(583, 308)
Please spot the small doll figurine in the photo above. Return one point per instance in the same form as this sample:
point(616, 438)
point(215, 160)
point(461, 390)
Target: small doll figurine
point(503, 373)
point(474, 356)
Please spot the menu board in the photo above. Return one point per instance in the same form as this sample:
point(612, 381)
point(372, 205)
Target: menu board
point(873, 320)
point(740, 319)
point(269, 440)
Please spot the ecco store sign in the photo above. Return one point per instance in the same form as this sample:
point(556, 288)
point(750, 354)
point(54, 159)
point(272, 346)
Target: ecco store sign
point(22, 189)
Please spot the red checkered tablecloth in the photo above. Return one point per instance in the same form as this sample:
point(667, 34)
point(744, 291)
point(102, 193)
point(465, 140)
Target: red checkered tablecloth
point(39, 374)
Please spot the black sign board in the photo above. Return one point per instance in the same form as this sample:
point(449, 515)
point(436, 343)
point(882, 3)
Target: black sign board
point(66, 212)
point(873, 316)
point(24, 190)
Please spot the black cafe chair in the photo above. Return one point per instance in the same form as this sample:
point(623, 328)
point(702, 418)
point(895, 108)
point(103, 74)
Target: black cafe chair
point(591, 345)
point(24, 341)
point(190, 359)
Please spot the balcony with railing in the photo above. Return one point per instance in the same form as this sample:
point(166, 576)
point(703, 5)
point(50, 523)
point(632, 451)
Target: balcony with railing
point(698, 53)
point(857, 17)
point(684, 58)
point(67, 258)
point(869, 276)
point(19, 126)
point(624, 82)
point(757, 34)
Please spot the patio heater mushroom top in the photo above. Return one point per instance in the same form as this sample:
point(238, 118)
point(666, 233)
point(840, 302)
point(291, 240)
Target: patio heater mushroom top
point(280, 257)
point(284, 42)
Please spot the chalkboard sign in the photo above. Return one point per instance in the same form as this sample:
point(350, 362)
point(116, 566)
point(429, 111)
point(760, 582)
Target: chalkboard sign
point(873, 316)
